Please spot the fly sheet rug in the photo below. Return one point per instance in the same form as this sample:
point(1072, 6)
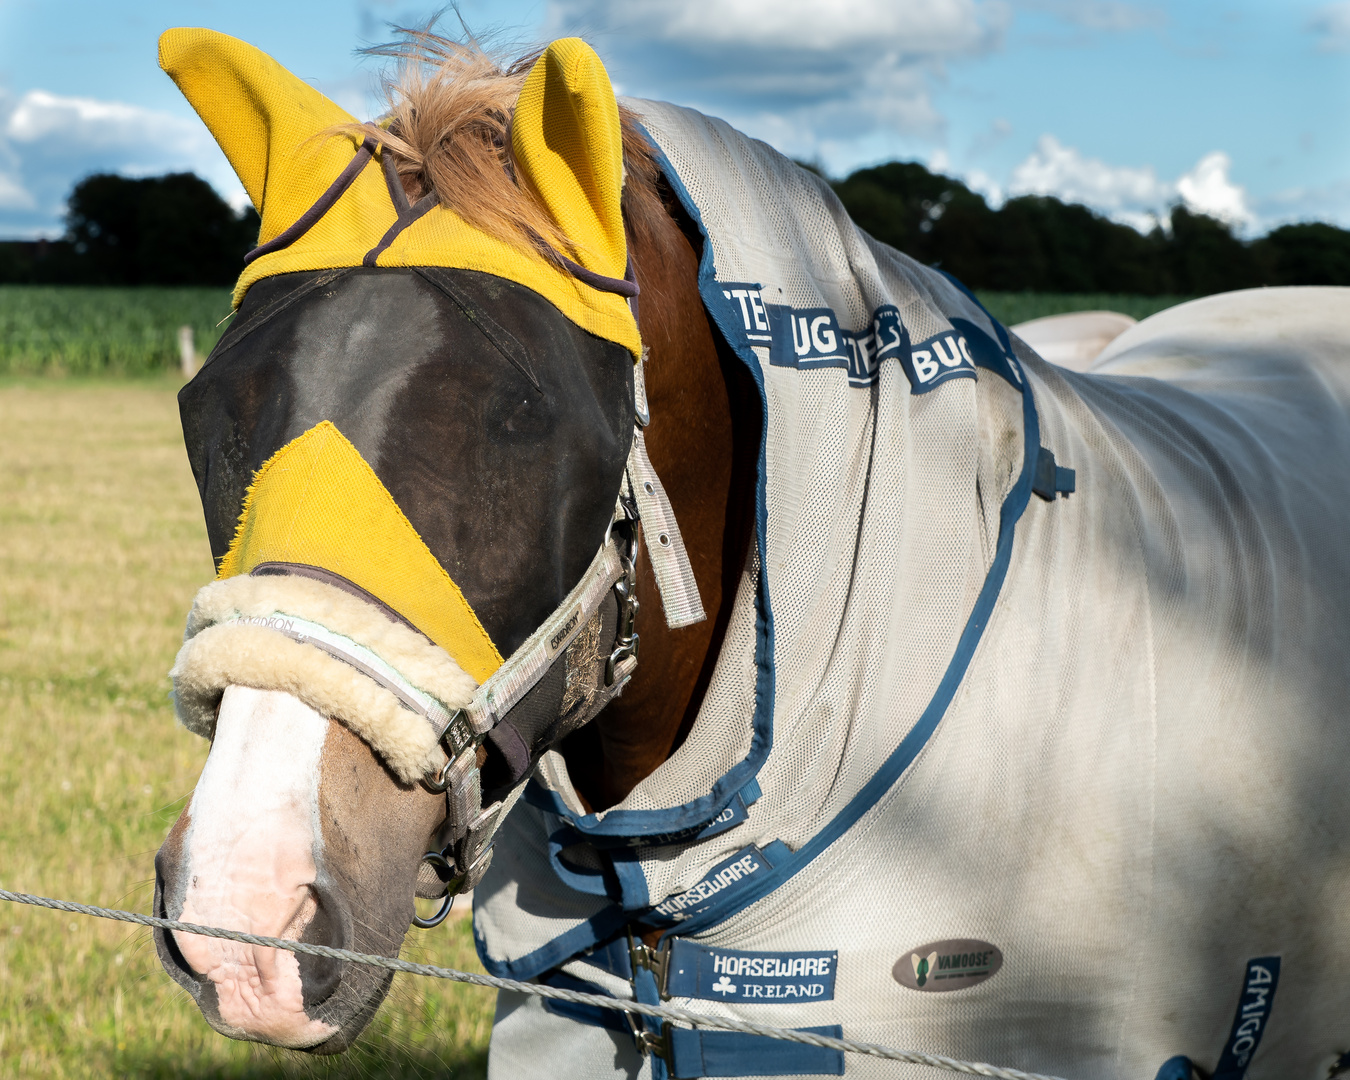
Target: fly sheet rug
point(1028, 741)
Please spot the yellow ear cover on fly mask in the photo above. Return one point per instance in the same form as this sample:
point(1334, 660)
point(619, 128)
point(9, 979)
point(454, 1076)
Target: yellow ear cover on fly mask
point(317, 502)
point(278, 133)
point(569, 148)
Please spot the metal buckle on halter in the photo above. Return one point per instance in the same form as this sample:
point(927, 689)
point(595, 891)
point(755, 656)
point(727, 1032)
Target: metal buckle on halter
point(459, 733)
point(625, 640)
point(440, 863)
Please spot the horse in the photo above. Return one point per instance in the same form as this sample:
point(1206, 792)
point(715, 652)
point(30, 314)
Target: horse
point(1075, 339)
point(995, 705)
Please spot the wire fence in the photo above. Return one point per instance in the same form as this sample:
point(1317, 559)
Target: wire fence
point(660, 1012)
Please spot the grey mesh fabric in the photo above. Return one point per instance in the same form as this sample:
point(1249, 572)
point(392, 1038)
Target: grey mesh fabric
point(1127, 772)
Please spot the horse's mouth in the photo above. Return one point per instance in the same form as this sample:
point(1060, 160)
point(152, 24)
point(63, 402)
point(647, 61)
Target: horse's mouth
point(300, 1002)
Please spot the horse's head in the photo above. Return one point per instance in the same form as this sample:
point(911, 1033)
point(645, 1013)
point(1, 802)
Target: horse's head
point(410, 446)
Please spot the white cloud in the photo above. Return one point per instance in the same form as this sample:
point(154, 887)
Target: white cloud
point(48, 142)
point(87, 124)
point(1330, 203)
point(1113, 16)
point(812, 76)
point(1331, 24)
point(980, 181)
point(1208, 190)
point(1134, 195)
point(13, 195)
point(920, 27)
point(1054, 169)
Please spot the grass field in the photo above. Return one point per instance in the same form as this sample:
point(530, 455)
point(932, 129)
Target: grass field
point(101, 549)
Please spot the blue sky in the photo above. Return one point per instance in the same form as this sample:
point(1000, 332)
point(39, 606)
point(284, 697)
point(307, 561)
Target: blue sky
point(1239, 108)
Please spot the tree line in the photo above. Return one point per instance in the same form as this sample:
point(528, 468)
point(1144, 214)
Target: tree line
point(156, 230)
point(175, 230)
point(1036, 243)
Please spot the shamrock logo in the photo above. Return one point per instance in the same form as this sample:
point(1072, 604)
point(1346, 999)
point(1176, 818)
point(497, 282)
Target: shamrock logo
point(922, 966)
point(724, 986)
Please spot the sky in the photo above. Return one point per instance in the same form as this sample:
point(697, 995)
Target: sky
point(1237, 108)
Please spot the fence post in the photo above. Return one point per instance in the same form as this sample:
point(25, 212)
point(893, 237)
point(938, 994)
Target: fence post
point(187, 355)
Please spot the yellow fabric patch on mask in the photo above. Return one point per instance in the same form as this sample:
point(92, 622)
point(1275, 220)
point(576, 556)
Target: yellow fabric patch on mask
point(318, 503)
point(271, 127)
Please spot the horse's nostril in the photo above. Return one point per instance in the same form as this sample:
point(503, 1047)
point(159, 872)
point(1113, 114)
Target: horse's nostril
point(169, 953)
point(319, 975)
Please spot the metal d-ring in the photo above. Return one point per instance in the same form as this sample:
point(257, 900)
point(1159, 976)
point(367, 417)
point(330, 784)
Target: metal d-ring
point(438, 862)
point(442, 781)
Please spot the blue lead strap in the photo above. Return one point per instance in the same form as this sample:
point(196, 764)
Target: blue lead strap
point(1253, 1014)
point(1259, 984)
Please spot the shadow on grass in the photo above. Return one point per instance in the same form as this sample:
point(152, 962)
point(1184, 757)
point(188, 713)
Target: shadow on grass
point(377, 1061)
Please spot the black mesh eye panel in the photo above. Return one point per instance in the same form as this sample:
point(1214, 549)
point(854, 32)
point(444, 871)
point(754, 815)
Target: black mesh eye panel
point(500, 428)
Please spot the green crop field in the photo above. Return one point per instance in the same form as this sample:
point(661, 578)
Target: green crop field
point(1011, 308)
point(88, 330)
point(102, 547)
point(78, 330)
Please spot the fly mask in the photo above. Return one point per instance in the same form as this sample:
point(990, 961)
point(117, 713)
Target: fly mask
point(412, 441)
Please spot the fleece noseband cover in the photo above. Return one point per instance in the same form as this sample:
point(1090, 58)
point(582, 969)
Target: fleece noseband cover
point(275, 631)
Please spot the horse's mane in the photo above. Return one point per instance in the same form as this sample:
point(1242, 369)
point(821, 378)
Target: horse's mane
point(448, 127)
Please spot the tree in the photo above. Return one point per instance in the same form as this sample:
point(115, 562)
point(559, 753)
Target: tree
point(1037, 243)
point(1307, 254)
point(158, 230)
point(1205, 257)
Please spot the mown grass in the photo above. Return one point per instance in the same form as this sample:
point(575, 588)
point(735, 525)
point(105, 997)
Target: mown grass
point(1011, 308)
point(87, 330)
point(101, 549)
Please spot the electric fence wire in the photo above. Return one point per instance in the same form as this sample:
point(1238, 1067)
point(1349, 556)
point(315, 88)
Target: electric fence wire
point(660, 1012)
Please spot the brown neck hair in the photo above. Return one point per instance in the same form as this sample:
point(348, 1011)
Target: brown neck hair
point(704, 442)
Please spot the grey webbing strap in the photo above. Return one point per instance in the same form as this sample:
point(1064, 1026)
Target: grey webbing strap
point(471, 827)
point(665, 546)
point(340, 647)
point(527, 665)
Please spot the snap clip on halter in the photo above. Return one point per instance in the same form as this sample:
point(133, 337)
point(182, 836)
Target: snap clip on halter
point(446, 873)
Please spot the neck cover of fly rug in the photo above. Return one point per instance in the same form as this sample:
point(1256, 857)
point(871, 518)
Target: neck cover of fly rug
point(985, 768)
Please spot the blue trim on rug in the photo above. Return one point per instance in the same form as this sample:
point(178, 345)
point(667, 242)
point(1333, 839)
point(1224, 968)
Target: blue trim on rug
point(999, 328)
point(1177, 1068)
point(638, 823)
point(601, 926)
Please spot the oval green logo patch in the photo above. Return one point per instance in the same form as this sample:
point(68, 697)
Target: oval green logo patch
point(953, 964)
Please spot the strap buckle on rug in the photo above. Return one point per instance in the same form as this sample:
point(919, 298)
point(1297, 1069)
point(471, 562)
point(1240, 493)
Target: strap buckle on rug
point(649, 1042)
point(657, 961)
point(642, 957)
